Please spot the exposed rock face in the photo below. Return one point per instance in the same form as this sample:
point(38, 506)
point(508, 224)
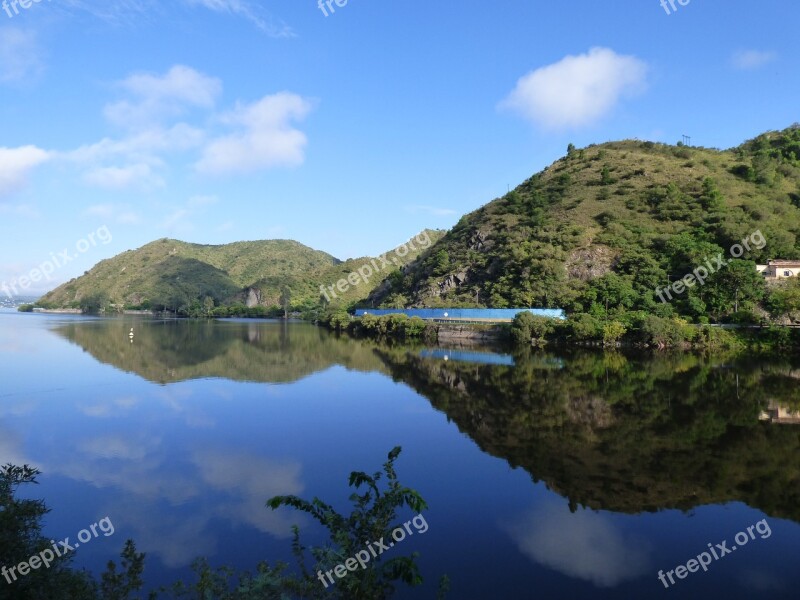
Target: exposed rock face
point(590, 263)
point(253, 298)
point(452, 282)
point(478, 241)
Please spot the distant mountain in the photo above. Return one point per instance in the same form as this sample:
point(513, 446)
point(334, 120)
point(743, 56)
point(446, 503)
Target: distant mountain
point(14, 301)
point(615, 221)
point(170, 274)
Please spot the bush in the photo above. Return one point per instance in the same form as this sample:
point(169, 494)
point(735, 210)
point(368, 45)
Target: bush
point(744, 317)
point(613, 332)
point(339, 321)
point(528, 328)
point(657, 331)
point(398, 325)
point(584, 327)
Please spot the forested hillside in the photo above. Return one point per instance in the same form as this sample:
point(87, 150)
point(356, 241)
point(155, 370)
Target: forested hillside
point(606, 226)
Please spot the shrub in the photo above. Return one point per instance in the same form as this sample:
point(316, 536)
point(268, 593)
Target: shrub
point(657, 331)
point(744, 317)
point(528, 328)
point(613, 332)
point(585, 327)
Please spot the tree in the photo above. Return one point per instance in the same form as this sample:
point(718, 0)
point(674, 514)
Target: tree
point(605, 176)
point(737, 283)
point(208, 305)
point(374, 517)
point(784, 300)
point(21, 537)
point(286, 300)
point(441, 262)
point(612, 291)
point(612, 332)
point(711, 198)
point(93, 304)
point(528, 328)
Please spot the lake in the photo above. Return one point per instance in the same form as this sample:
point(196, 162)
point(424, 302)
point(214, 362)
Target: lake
point(568, 474)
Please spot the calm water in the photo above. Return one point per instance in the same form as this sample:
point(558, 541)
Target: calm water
point(571, 475)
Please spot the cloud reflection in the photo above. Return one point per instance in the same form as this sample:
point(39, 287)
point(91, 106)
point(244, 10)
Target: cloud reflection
point(583, 545)
point(249, 482)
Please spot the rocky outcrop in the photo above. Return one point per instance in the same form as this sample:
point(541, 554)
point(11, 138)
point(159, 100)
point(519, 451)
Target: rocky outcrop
point(452, 282)
point(590, 263)
point(253, 297)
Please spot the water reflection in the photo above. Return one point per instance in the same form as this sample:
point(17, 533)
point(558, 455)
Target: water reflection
point(606, 430)
point(170, 351)
point(586, 545)
point(627, 434)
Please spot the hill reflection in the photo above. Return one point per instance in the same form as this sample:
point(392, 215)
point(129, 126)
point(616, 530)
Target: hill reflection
point(605, 430)
point(256, 351)
point(628, 434)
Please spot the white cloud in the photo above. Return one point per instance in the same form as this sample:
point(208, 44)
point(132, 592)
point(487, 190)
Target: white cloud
point(130, 12)
point(578, 90)
point(19, 55)
point(120, 213)
point(143, 147)
point(752, 59)
point(117, 13)
point(583, 545)
point(116, 178)
point(16, 164)
point(251, 137)
point(163, 96)
point(142, 153)
point(266, 138)
point(264, 22)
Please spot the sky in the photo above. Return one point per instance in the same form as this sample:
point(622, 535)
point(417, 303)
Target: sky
point(347, 128)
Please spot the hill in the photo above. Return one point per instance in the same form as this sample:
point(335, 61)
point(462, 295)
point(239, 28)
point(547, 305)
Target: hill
point(178, 276)
point(605, 226)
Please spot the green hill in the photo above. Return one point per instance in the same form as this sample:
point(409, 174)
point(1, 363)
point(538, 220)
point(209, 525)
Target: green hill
point(598, 232)
point(605, 226)
point(173, 275)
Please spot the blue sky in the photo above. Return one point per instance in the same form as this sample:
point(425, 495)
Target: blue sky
point(215, 121)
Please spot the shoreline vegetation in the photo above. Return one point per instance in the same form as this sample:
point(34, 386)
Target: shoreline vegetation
point(529, 330)
point(631, 330)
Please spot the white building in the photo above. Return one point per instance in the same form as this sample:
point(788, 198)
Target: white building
point(780, 269)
